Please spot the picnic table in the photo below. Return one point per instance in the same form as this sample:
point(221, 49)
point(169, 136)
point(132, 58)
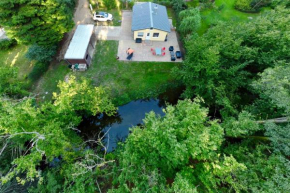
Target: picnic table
point(158, 51)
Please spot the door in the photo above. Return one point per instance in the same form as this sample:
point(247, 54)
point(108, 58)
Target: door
point(148, 36)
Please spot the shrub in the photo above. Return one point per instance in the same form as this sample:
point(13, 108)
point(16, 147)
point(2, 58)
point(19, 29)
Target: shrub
point(243, 5)
point(38, 70)
point(40, 53)
point(251, 5)
point(110, 4)
point(6, 44)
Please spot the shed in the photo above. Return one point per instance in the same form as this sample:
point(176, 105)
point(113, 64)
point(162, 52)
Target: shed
point(150, 21)
point(79, 48)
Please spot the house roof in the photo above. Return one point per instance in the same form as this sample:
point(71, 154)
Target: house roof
point(79, 43)
point(149, 15)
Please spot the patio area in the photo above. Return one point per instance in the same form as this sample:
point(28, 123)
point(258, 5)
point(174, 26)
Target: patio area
point(142, 51)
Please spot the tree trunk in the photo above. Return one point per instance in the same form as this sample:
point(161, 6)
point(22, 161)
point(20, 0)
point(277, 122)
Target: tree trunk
point(277, 120)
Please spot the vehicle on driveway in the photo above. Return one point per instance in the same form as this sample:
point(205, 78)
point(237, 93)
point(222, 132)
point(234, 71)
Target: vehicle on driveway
point(102, 16)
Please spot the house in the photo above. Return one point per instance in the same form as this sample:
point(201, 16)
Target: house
point(150, 22)
point(81, 46)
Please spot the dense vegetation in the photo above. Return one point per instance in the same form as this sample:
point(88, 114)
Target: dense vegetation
point(223, 136)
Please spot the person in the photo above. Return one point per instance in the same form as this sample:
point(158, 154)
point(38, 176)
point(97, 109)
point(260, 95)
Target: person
point(130, 51)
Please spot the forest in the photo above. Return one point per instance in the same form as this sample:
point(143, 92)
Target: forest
point(229, 131)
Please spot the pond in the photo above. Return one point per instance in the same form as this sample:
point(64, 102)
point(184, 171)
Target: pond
point(116, 128)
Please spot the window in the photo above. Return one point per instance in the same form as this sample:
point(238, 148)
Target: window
point(155, 35)
point(140, 34)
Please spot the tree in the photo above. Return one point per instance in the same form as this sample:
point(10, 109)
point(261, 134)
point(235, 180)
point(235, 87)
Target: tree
point(221, 64)
point(190, 21)
point(183, 145)
point(266, 171)
point(38, 21)
point(110, 4)
point(47, 131)
point(275, 83)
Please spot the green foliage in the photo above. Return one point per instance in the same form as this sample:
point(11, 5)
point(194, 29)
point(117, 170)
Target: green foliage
point(189, 21)
point(245, 125)
point(38, 70)
point(6, 44)
point(221, 64)
point(78, 96)
point(184, 138)
point(9, 85)
point(41, 53)
point(48, 128)
point(275, 83)
point(251, 5)
point(177, 5)
point(110, 4)
point(244, 5)
point(280, 137)
point(41, 22)
point(265, 172)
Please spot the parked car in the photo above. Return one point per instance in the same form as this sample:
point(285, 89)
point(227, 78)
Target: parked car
point(102, 16)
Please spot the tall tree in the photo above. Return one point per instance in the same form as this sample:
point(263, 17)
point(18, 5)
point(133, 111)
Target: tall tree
point(183, 145)
point(37, 21)
point(190, 21)
point(221, 64)
point(47, 131)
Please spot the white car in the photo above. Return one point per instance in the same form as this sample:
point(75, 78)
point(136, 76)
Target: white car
point(102, 16)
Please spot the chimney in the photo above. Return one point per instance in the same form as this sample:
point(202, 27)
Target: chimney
point(155, 9)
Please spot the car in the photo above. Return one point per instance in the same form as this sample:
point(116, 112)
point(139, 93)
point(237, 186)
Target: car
point(102, 16)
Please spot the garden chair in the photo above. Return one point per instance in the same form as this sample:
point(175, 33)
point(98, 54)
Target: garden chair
point(163, 48)
point(163, 53)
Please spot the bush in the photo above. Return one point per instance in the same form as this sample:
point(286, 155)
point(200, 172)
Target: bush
point(6, 44)
point(110, 4)
point(38, 70)
point(40, 53)
point(251, 5)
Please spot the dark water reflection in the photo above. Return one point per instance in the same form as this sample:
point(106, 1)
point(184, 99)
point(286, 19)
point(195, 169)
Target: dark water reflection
point(116, 128)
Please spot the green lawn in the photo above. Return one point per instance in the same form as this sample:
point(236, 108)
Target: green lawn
point(48, 82)
point(16, 57)
point(224, 11)
point(125, 81)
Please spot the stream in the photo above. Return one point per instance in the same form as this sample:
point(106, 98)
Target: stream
point(116, 128)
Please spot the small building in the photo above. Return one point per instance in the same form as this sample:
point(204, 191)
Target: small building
point(150, 22)
point(81, 46)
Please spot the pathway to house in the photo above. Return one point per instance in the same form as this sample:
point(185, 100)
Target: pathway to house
point(122, 32)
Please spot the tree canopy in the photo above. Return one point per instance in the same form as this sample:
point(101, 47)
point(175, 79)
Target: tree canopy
point(221, 64)
point(37, 21)
point(46, 132)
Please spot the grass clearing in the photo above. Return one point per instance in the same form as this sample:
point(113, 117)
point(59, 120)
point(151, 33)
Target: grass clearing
point(127, 80)
point(15, 57)
point(224, 11)
point(48, 82)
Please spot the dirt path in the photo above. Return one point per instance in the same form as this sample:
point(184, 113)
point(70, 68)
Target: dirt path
point(82, 15)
